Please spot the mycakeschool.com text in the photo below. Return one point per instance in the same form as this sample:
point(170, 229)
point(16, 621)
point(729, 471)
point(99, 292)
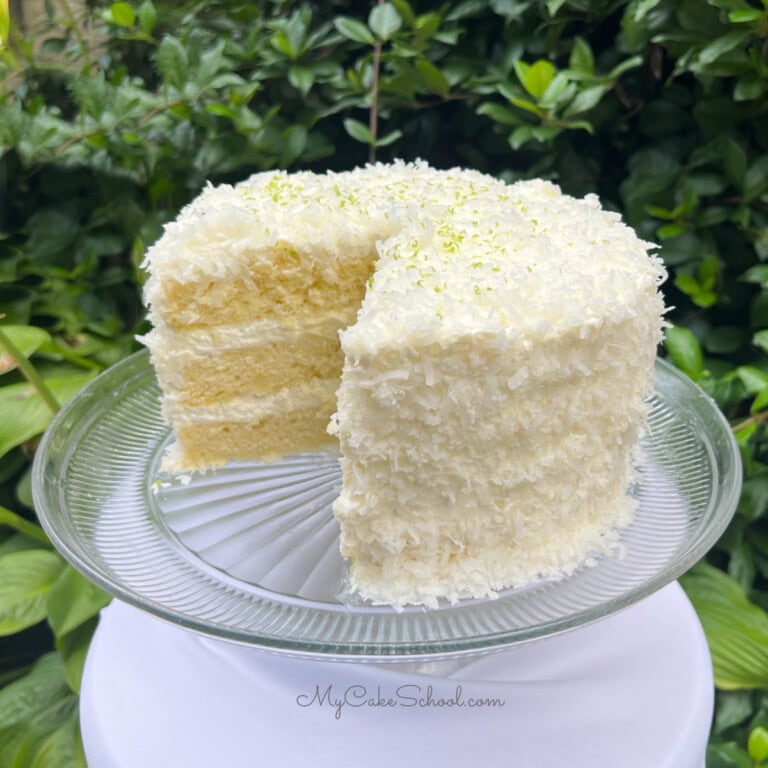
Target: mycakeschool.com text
point(408, 695)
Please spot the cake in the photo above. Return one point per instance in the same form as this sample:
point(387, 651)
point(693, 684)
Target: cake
point(481, 354)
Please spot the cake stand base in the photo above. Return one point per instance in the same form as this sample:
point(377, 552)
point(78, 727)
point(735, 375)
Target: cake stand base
point(633, 690)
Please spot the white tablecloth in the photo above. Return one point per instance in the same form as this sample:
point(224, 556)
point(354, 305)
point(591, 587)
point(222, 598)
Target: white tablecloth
point(632, 691)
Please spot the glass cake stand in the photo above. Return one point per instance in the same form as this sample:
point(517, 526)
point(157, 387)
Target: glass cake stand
point(249, 553)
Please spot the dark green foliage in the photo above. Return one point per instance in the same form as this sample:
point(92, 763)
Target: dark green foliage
point(108, 127)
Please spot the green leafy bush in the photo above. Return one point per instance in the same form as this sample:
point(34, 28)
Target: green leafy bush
point(110, 124)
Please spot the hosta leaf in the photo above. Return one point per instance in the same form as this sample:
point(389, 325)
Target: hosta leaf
point(73, 648)
point(25, 580)
point(23, 412)
point(736, 630)
point(62, 748)
point(30, 698)
point(26, 339)
point(72, 600)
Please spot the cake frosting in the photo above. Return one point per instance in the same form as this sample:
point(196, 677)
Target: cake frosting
point(481, 353)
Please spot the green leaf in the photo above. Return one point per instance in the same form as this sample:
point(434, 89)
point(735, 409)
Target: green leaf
point(553, 6)
point(301, 78)
point(24, 490)
point(25, 579)
point(581, 58)
point(72, 600)
point(5, 23)
point(685, 351)
point(173, 62)
point(760, 339)
point(520, 136)
point(724, 339)
point(755, 180)
point(62, 748)
point(733, 707)
point(757, 744)
point(23, 412)
point(528, 106)
point(688, 284)
point(712, 52)
point(734, 162)
point(123, 14)
point(585, 99)
point(761, 244)
point(757, 274)
point(406, 11)
point(753, 379)
point(759, 403)
point(384, 21)
point(433, 78)
point(73, 648)
point(26, 339)
point(32, 697)
point(727, 755)
point(294, 145)
point(358, 131)
point(738, 17)
point(624, 66)
point(147, 17)
point(498, 113)
point(749, 88)
point(537, 77)
point(389, 138)
point(668, 231)
point(355, 30)
point(427, 24)
point(736, 630)
point(559, 89)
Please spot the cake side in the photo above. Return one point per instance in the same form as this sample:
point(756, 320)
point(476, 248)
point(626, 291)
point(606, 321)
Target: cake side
point(493, 397)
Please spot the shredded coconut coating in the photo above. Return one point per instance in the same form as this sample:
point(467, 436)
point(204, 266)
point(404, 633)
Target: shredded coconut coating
point(497, 360)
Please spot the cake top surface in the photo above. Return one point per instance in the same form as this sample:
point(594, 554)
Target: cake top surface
point(457, 249)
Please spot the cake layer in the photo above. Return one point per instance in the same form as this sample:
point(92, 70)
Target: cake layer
point(307, 286)
point(290, 420)
point(208, 445)
point(202, 378)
